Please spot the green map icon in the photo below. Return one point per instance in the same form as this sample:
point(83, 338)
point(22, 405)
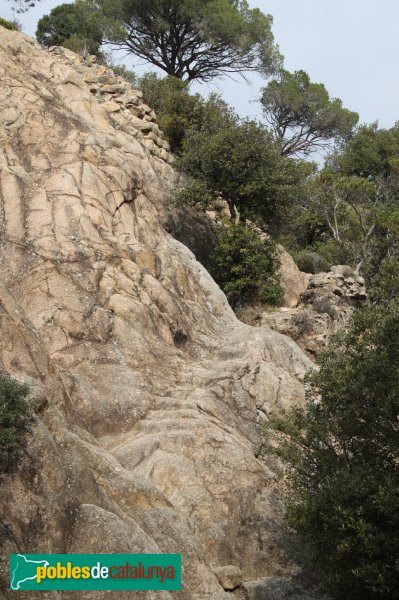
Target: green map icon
point(25, 570)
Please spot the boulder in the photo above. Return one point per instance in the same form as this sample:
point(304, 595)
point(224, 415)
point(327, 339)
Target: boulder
point(293, 281)
point(230, 577)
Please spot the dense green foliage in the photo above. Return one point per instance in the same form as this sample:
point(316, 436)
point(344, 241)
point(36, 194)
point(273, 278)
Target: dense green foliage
point(180, 112)
point(245, 167)
point(384, 285)
point(342, 455)
point(245, 266)
point(302, 115)
point(371, 153)
point(349, 213)
point(225, 155)
point(193, 39)
point(74, 26)
point(15, 421)
point(342, 215)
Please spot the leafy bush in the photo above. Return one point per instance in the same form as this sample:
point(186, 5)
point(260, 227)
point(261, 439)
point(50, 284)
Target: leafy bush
point(81, 45)
point(245, 266)
point(74, 26)
point(310, 262)
point(234, 158)
point(368, 153)
point(342, 457)
point(241, 161)
point(385, 283)
point(127, 74)
point(15, 421)
point(195, 194)
point(11, 25)
point(179, 112)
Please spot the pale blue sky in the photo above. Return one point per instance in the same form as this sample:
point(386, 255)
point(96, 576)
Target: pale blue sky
point(352, 46)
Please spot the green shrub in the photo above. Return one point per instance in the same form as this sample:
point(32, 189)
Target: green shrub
point(384, 285)
point(242, 162)
point(180, 112)
point(16, 418)
point(245, 266)
point(195, 194)
point(342, 457)
point(176, 109)
point(310, 262)
point(74, 26)
point(81, 45)
point(11, 25)
point(127, 74)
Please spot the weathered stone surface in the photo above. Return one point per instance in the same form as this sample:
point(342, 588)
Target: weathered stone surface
point(292, 280)
point(230, 577)
point(341, 281)
point(150, 387)
point(277, 588)
point(326, 306)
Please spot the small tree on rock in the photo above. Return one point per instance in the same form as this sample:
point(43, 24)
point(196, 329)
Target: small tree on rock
point(245, 266)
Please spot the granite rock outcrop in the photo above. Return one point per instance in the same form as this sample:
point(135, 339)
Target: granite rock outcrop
point(151, 391)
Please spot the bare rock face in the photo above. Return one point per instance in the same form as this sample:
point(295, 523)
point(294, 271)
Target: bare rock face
point(293, 281)
point(149, 387)
point(341, 283)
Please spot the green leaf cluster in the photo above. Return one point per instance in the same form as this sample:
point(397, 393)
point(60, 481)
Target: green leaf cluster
point(245, 266)
point(10, 25)
point(245, 167)
point(349, 212)
point(16, 418)
point(371, 153)
point(75, 26)
point(342, 458)
point(127, 74)
point(179, 112)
